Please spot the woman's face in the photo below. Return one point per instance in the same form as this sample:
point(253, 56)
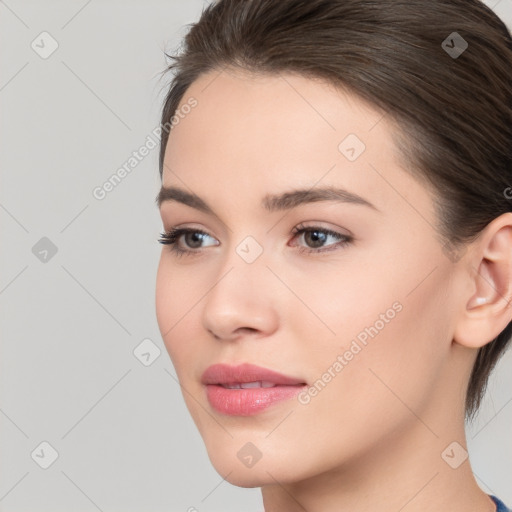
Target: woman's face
point(360, 316)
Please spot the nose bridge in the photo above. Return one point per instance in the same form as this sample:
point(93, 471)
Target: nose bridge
point(244, 265)
point(241, 296)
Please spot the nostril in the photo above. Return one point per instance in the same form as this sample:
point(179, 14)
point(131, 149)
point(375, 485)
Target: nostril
point(249, 330)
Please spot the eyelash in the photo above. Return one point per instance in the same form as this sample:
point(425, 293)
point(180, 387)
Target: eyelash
point(171, 238)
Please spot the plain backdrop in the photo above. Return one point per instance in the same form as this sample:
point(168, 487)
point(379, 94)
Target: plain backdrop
point(87, 388)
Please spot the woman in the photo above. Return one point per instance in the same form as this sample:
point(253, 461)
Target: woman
point(336, 281)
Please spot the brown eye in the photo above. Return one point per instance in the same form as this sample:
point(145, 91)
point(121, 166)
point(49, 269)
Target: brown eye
point(316, 238)
point(193, 239)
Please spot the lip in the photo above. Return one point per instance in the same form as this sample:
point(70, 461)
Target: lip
point(247, 401)
point(227, 374)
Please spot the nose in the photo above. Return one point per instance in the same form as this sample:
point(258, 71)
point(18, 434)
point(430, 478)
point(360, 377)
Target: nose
point(241, 302)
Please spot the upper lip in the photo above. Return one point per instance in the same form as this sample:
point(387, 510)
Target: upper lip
point(227, 374)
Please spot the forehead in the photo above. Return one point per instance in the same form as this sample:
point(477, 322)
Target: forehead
point(276, 109)
point(254, 132)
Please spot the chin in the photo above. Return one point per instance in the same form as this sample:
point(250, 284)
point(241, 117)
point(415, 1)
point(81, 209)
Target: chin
point(235, 473)
point(265, 471)
point(244, 478)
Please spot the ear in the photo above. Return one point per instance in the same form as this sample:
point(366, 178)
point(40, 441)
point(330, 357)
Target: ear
point(488, 307)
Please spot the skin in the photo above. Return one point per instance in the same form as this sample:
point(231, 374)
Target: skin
point(372, 438)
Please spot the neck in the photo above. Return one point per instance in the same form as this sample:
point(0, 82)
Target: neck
point(405, 472)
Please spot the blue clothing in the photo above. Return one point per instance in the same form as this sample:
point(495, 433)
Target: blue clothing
point(500, 506)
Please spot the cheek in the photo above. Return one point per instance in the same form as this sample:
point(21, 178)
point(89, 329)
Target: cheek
point(164, 297)
point(179, 326)
point(339, 303)
point(174, 308)
point(373, 345)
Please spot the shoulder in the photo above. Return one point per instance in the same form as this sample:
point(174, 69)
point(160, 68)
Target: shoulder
point(500, 506)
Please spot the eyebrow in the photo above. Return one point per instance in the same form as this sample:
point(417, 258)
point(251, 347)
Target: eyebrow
point(271, 203)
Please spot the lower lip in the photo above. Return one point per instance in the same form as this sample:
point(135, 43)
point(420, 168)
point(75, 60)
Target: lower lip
point(246, 402)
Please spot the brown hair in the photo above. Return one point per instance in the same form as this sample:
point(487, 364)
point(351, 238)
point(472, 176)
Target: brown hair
point(451, 105)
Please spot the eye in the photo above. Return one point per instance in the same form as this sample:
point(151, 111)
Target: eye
point(193, 238)
point(316, 237)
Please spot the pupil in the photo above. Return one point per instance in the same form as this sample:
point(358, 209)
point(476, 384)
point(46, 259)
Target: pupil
point(194, 238)
point(317, 236)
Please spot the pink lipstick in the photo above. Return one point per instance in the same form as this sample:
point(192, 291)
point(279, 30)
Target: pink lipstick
point(247, 389)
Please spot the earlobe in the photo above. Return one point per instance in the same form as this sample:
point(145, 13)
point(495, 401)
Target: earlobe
point(484, 281)
point(489, 308)
point(477, 301)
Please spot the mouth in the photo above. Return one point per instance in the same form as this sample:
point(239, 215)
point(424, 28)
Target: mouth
point(248, 375)
point(247, 389)
point(249, 385)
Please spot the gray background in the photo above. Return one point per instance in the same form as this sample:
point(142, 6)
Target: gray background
point(70, 321)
